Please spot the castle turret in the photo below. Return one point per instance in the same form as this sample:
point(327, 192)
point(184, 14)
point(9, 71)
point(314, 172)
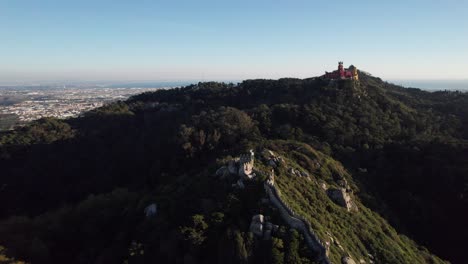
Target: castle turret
point(341, 69)
point(246, 163)
point(354, 72)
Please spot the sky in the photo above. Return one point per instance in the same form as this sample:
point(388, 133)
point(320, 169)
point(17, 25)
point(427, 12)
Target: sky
point(45, 40)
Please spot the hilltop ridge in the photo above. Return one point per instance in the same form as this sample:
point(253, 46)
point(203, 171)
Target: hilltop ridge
point(356, 161)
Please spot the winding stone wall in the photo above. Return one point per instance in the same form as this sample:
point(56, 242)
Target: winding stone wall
point(297, 222)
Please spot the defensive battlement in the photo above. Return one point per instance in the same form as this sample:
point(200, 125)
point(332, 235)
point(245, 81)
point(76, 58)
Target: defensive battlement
point(246, 164)
point(247, 158)
point(296, 221)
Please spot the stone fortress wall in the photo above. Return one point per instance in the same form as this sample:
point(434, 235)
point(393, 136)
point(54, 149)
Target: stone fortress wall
point(296, 221)
point(243, 167)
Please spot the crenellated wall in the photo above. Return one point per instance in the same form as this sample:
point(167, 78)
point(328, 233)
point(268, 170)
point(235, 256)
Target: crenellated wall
point(246, 163)
point(297, 222)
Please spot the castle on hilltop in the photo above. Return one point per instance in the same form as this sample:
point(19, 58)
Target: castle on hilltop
point(342, 73)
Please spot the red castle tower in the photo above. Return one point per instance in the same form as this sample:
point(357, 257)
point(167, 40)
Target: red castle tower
point(342, 73)
point(341, 70)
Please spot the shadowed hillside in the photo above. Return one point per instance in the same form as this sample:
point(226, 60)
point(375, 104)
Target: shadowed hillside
point(376, 170)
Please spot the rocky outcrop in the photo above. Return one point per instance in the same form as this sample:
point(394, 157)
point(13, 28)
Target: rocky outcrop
point(371, 258)
point(333, 241)
point(151, 210)
point(256, 225)
point(324, 186)
point(296, 221)
point(271, 158)
point(347, 260)
point(269, 229)
point(232, 167)
point(298, 173)
point(222, 172)
point(341, 197)
point(339, 178)
point(262, 228)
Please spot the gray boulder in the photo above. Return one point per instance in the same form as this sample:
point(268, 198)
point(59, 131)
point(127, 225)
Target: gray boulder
point(256, 229)
point(222, 172)
point(232, 168)
point(340, 197)
point(151, 210)
point(256, 225)
point(347, 260)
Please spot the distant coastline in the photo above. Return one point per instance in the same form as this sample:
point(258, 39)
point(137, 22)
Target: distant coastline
point(428, 85)
point(434, 85)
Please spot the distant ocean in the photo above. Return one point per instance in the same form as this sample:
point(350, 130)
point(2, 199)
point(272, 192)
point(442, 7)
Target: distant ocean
point(433, 85)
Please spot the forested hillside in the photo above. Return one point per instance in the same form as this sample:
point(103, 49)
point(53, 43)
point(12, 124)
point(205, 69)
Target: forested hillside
point(75, 190)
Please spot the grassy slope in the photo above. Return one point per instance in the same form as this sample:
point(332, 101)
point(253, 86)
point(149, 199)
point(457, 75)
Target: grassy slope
point(359, 233)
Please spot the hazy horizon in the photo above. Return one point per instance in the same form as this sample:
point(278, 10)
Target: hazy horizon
point(429, 85)
point(211, 40)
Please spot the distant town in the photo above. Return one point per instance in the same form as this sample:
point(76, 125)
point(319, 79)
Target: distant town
point(22, 104)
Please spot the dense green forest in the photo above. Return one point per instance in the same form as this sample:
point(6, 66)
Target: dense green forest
point(75, 190)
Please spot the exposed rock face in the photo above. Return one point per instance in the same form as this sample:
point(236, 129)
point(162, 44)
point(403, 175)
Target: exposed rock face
point(347, 260)
point(232, 168)
point(333, 241)
point(271, 158)
point(222, 172)
point(292, 171)
point(256, 225)
point(272, 163)
point(327, 248)
point(324, 186)
point(262, 228)
point(151, 210)
point(267, 154)
point(340, 197)
point(298, 173)
point(258, 218)
point(269, 228)
point(343, 183)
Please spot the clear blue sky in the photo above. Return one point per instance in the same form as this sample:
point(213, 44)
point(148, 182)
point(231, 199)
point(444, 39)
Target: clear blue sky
point(230, 40)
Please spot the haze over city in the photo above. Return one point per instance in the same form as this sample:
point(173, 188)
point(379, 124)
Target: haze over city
point(87, 40)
